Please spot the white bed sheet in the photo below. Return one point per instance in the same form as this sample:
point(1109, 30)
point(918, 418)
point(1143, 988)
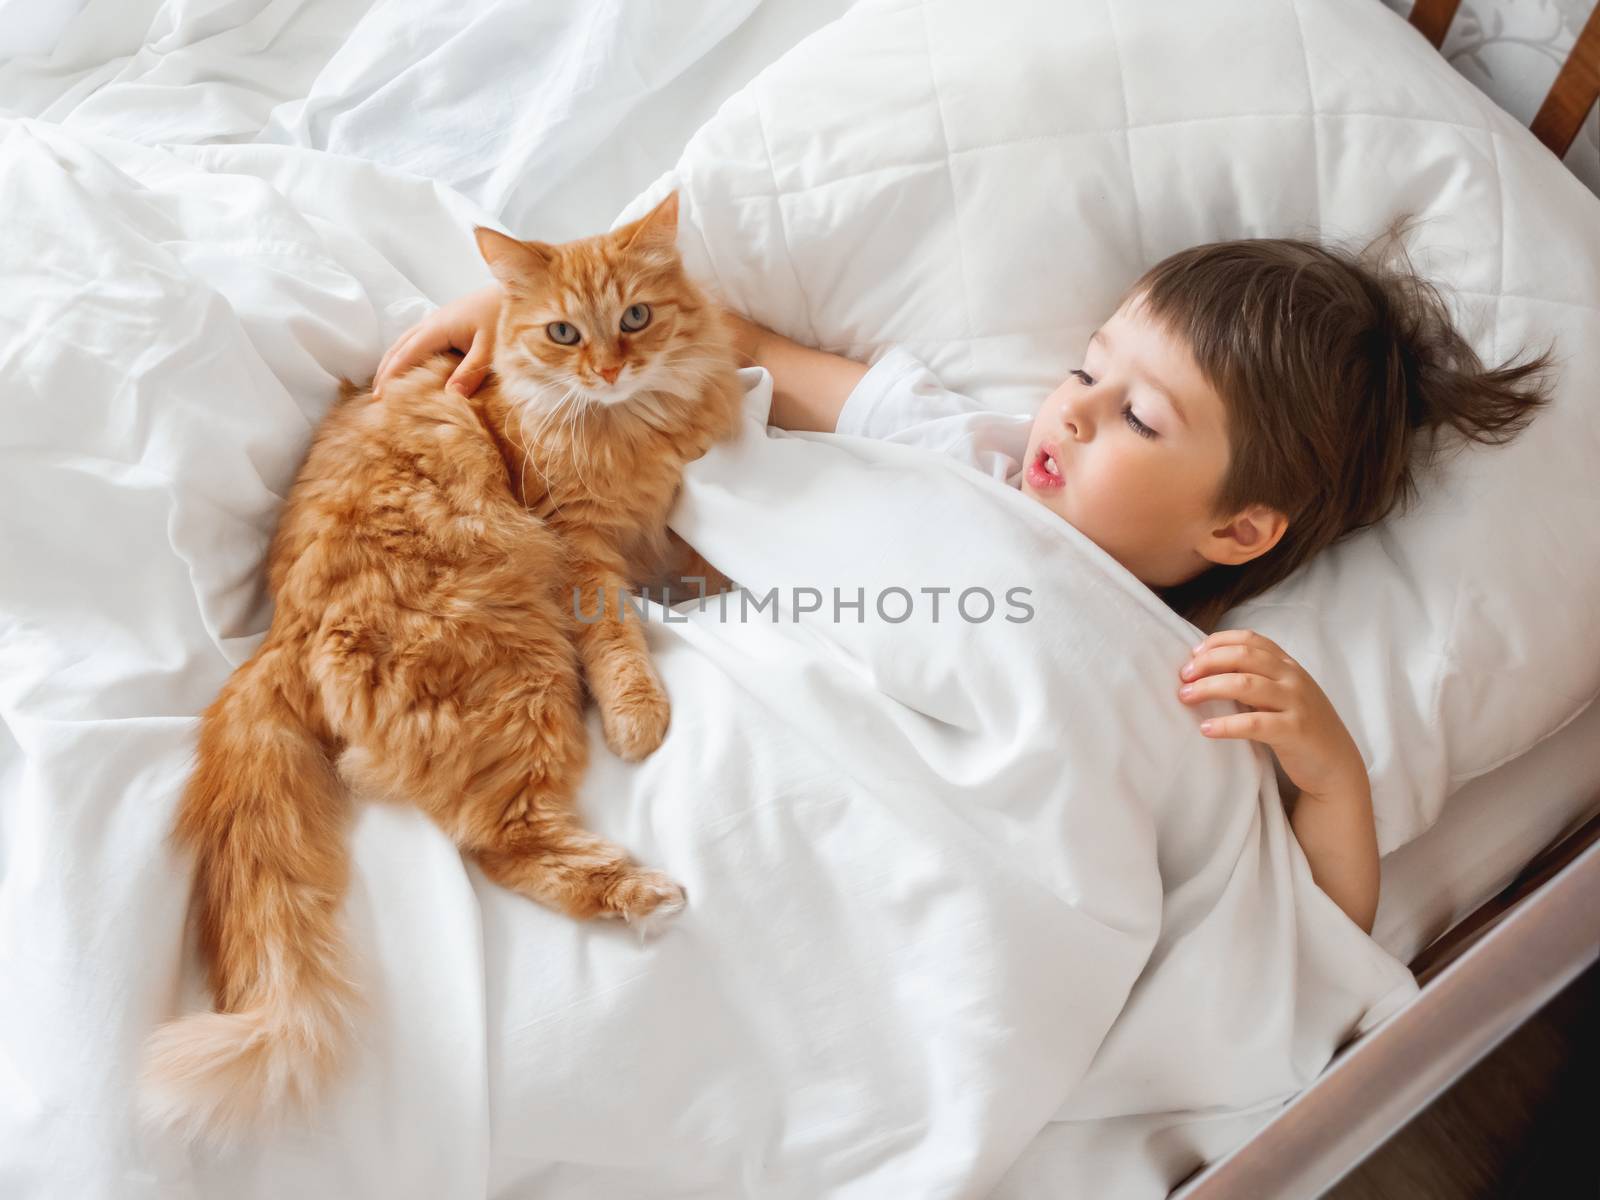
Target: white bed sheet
point(1486, 835)
point(352, 77)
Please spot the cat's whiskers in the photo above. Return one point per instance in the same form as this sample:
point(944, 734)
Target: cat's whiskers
point(527, 453)
point(683, 377)
point(522, 466)
point(646, 405)
point(505, 432)
point(531, 396)
point(547, 414)
point(579, 445)
point(567, 408)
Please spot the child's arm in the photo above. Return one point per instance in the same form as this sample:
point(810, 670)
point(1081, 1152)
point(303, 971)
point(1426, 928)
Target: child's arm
point(809, 387)
point(1332, 817)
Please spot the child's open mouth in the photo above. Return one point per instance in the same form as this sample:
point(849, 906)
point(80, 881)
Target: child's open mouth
point(1044, 472)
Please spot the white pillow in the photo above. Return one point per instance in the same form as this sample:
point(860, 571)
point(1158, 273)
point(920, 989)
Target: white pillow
point(980, 182)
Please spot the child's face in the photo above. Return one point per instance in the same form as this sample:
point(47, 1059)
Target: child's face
point(1132, 449)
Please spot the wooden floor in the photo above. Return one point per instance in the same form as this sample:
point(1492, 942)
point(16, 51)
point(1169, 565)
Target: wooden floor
point(1524, 1123)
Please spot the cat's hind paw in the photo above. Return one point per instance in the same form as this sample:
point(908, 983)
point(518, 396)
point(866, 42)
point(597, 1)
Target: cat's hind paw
point(647, 900)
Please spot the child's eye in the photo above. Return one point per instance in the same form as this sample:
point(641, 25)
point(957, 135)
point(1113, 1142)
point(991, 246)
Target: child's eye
point(1135, 424)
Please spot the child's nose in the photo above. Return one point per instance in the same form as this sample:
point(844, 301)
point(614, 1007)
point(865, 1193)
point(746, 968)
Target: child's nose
point(1072, 422)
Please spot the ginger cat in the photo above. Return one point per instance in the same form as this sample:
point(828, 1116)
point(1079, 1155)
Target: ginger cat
point(429, 574)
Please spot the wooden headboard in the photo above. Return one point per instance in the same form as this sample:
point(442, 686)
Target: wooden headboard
point(1571, 96)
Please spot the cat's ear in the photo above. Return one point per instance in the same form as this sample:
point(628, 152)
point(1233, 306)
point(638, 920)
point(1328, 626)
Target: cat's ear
point(517, 265)
point(656, 230)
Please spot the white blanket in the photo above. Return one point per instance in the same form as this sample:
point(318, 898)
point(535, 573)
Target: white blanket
point(973, 905)
point(550, 115)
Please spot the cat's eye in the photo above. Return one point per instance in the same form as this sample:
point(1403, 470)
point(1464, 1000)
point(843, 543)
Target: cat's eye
point(635, 317)
point(563, 333)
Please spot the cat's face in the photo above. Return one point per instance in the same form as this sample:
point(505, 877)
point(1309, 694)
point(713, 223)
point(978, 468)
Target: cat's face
point(597, 321)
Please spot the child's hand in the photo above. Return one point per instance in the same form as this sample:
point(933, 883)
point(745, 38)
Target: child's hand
point(1289, 712)
point(466, 324)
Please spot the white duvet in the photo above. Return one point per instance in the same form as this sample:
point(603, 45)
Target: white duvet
point(547, 113)
point(973, 906)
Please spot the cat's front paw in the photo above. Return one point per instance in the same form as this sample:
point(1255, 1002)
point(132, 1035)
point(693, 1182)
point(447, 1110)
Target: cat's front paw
point(634, 711)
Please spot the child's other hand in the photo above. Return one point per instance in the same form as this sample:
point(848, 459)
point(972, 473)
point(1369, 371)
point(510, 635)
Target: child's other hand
point(466, 324)
point(1288, 711)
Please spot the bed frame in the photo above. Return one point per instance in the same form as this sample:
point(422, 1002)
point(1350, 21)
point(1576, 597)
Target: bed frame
point(1480, 981)
point(1491, 971)
point(1571, 96)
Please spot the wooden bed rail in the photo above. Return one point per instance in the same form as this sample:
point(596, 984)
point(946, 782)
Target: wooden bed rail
point(1572, 96)
point(1574, 93)
point(1432, 18)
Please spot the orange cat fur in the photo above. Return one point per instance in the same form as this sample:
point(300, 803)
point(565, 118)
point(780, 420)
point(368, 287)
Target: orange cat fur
point(424, 639)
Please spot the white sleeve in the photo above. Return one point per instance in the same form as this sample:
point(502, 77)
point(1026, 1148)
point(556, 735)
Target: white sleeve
point(900, 400)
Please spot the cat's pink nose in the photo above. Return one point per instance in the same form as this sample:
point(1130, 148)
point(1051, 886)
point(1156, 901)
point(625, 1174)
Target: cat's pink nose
point(609, 374)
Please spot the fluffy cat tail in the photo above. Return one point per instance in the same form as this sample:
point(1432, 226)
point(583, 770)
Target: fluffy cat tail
point(264, 816)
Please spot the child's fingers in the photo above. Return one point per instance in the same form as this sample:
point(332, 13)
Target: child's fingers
point(395, 346)
point(383, 363)
point(395, 357)
point(1241, 637)
point(1254, 726)
point(470, 371)
point(1228, 637)
point(1234, 657)
point(1255, 690)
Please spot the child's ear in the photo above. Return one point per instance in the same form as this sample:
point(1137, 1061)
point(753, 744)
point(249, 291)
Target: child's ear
point(1250, 534)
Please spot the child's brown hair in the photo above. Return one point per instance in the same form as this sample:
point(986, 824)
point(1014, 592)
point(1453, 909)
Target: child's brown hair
point(1331, 365)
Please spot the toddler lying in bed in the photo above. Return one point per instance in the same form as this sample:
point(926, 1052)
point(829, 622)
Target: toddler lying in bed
point(1247, 404)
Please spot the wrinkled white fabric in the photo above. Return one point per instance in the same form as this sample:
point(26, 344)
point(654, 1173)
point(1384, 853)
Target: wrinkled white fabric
point(951, 879)
point(548, 114)
point(170, 337)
